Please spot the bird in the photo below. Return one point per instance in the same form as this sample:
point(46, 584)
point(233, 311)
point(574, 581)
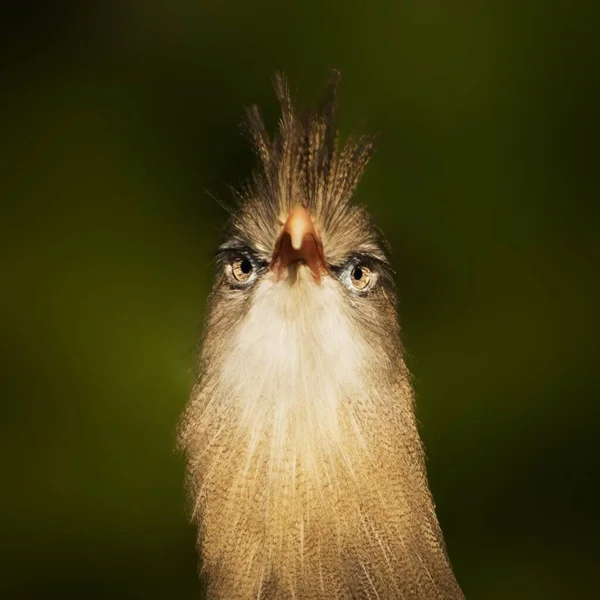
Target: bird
point(306, 473)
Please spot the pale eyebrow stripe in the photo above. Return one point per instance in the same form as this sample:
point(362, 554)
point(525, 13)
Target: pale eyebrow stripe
point(367, 256)
point(372, 251)
point(234, 243)
point(228, 249)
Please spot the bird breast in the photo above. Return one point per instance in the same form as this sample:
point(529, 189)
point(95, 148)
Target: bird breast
point(294, 361)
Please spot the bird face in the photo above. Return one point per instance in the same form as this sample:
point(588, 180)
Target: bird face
point(300, 263)
point(300, 245)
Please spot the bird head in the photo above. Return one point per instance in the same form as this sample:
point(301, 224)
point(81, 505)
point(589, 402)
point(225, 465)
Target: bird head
point(299, 255)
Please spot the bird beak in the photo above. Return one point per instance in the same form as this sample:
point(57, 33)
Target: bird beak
point(299, 243)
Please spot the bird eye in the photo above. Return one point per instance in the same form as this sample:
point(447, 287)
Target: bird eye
point(242, 269)
point(360, 277)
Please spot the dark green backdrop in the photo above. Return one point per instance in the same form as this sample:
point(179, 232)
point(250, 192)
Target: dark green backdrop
point(121, 126)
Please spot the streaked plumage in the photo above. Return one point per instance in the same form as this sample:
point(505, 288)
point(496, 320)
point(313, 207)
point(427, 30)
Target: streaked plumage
point(305, 468)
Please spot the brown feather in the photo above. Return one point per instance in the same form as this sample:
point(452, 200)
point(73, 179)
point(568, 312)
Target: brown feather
point(305, 468)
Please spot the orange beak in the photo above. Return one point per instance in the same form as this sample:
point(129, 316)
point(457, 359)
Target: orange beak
point(299, 243)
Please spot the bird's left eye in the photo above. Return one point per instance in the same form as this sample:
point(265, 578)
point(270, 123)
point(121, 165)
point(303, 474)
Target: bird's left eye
point(242, 269)
point(360, 276)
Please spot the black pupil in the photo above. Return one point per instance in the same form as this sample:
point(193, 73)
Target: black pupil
point(246, 266)
point(358, 273)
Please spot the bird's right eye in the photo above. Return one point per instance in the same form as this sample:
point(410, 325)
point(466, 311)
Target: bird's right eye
point(242, 269)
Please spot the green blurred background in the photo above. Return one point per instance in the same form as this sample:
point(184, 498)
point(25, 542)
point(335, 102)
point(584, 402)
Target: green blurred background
point(121, 126)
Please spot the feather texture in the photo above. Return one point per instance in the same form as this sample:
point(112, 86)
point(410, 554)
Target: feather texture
point(305, 468)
